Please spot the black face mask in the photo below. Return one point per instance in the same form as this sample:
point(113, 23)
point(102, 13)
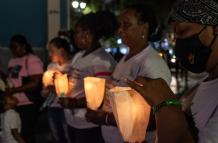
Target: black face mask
point(192, 46)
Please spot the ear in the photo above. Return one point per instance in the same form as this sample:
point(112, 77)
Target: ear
point(145, 29)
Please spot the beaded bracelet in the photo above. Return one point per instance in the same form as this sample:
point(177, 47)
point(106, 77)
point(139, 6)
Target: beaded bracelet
point(169, 102)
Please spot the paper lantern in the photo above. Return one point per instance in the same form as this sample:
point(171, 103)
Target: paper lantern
point(61, 84)
point(47, 78)
point(131, 112)
point(94, 90)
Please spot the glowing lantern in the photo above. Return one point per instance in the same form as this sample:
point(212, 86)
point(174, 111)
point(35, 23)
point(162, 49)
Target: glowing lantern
point(94, 90)
point(61, 84)
point(47, 78)
point(131, 112)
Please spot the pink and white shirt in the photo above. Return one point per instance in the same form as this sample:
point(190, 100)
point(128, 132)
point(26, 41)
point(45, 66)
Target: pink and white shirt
point(22, 67)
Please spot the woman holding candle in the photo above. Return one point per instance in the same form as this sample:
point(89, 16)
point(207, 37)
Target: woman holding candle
point(138, 28)
point(92, 61)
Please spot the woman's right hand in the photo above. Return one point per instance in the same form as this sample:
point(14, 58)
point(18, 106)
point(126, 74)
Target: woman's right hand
point(154, 91)
point(109, 84)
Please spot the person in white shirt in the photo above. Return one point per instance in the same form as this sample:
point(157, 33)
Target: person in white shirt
point(195, 24)
point(93, 60)
point(138, 28)
point(11, 122)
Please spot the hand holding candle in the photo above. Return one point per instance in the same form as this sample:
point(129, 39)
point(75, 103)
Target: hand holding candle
point(47, 78)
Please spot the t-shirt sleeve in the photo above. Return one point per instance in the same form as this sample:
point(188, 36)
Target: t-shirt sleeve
point(104, 68)
point(35, 65)
point(155, 67)
point(12, 120)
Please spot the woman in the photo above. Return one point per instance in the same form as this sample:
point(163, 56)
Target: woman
point(60, 55)
point(138, 28)
point(92, 61)
point(24, 72)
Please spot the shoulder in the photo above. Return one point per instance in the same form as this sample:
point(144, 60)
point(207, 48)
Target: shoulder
point(32, 57)
point(11, 114)
point(103, 56)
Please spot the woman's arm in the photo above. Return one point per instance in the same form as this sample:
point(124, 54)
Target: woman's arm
point(34, 82)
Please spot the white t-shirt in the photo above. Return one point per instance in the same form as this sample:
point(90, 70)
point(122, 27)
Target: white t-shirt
point(11, 120)
point(98, 63)
point(205, 111)
point(147, 63)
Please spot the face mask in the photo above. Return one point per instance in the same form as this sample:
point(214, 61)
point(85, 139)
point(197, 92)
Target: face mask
point(192, 54)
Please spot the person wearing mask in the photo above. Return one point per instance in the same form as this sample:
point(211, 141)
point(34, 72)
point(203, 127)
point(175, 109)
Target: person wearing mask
point(195, 24)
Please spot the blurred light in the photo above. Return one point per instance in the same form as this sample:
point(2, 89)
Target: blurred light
point(119, 41)
point(173, 60)
point(82, 5)
point(124, 50)
point(161, 54)
point(108, 50)
point(75, 4)
point(171, 51)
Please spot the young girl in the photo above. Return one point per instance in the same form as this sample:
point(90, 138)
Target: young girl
point(11, 122)
point(60, 55)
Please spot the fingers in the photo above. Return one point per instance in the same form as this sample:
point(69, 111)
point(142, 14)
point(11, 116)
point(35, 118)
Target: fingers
point(134, 85)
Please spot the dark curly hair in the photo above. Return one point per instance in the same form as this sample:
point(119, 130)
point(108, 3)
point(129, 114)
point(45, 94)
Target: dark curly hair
point(100, 24)
point(146, 14)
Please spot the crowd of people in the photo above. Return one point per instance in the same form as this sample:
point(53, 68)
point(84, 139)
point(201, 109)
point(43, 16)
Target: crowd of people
point(195, 23)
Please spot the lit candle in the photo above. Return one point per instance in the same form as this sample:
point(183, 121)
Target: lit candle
point(94, 90)
point(61, 84)
point(131, 112)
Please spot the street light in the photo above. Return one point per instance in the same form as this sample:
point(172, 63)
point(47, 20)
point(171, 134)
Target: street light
point(75, 4)
point(82, 5)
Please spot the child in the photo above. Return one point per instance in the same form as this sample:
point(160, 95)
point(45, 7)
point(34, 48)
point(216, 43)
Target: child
point(11, 122)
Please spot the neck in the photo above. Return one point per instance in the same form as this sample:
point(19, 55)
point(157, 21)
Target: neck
point(134, 50)
point(64, 60)
point(91, 49)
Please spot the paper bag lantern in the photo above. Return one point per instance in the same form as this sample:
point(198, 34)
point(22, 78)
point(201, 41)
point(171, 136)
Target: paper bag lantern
point(61, 84)
point(131, 112)
point(47, 78)
point(94, 90)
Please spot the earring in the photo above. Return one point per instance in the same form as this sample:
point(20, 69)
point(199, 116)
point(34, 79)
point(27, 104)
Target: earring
point(143, 36)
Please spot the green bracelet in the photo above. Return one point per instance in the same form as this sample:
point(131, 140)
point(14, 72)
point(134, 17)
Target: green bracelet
point(169, 102)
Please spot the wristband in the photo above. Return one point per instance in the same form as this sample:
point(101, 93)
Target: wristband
point(169, 102)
